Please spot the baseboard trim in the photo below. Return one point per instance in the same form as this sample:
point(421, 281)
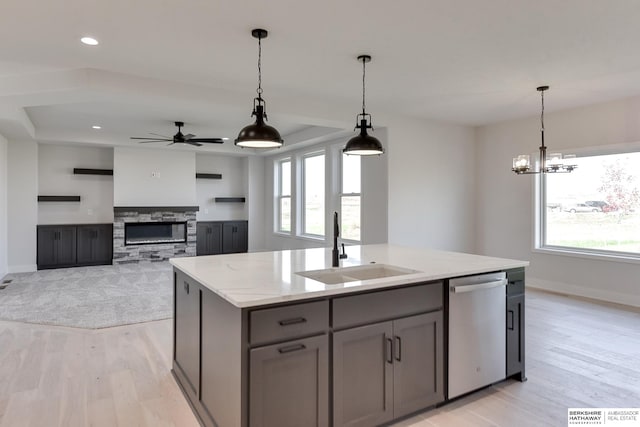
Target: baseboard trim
point(580, 291)
point(23, 268)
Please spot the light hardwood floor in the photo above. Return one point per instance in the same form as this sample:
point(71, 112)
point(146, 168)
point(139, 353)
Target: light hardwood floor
point(579, 354)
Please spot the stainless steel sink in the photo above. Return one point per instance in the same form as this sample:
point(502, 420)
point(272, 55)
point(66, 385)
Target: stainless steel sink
point(333, 276)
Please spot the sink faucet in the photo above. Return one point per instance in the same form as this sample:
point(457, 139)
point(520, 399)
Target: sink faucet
point(336, 256)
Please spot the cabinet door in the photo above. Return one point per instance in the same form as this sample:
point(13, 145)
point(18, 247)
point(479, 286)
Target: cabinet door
point(515, 335)
point(234, 237)
point(187, 330)
point(289, 384)
point(363, 375)
point(47, 244)
point(202, 238)
point(209, 238)
point(418, 354)
point(94, 244)
point(215, 238)
point(66, 246)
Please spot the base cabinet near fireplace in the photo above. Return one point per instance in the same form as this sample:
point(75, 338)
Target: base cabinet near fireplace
point(222, 237)
point(72, 245)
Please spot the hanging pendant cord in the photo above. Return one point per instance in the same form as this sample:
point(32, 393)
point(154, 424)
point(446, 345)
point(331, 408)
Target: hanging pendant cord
point(259, 90)
point(363, 88)
point(542, 118)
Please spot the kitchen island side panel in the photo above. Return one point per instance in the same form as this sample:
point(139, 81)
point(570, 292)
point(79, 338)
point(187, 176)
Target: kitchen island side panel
point(223, 361)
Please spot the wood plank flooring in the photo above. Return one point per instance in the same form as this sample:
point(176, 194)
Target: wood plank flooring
point(580, 353)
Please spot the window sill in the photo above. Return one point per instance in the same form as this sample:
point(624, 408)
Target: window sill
point(311, 237)
point(574, 253)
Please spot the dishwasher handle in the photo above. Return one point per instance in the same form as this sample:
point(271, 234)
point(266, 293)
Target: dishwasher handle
point(478, 286)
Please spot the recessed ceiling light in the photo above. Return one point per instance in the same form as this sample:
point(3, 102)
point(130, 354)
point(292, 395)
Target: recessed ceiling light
point(89, 40)
point(96, 127)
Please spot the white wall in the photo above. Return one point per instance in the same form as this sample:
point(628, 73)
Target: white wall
point(3, 206)
point(505, 201)
point(22, 205)
point(56, 178)
point(431, 185)
point(152, 177)
point(256, 202)
point(374, 198)
point(232, 184)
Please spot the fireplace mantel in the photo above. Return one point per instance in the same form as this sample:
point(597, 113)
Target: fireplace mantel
point(147, 209)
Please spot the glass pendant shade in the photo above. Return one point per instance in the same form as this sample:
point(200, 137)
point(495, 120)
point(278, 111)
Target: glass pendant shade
point(521, 163)
point(363, 144)
point(259, 134)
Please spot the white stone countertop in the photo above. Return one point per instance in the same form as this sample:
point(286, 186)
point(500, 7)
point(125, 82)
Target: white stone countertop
point(261, 278)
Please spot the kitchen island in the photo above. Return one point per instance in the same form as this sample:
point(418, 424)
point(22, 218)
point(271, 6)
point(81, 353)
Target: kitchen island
point(282, 339)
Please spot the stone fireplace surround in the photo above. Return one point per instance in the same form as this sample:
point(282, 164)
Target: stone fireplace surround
point(124, 254)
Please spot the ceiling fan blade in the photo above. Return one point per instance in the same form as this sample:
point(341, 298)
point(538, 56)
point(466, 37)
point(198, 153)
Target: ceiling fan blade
point(150, 139)
point(208, 140)
point(170, 144)
point(193, 143)
point(157, 134)
point(189, 136)
point(145, 142)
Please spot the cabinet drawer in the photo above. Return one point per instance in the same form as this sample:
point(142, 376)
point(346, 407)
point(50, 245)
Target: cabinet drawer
point(291, 321)
point(384, 305)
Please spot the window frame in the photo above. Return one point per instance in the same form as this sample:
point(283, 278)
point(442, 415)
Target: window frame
point(540, 218)
point(342, 194)
point(279, 197)
point(302, 219)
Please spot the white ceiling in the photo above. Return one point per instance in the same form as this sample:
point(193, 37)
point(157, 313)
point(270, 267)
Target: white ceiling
point(462, 61)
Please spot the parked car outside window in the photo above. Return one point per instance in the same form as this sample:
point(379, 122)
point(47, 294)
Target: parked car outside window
point(582, 207)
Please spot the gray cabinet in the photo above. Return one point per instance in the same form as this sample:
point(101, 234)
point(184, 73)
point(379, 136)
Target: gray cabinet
point(187, 331)
point(74, 245)
point(289, 384)
point(56, 246)
point(387, 370)
point(363, 375)
point(221, 237)
point(94, 244)
point(234, 237)
point(515, 324)
point(418, 373)
point(208, 238)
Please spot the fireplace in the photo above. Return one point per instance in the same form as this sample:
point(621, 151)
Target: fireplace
point(149, 233)
point(153, 233)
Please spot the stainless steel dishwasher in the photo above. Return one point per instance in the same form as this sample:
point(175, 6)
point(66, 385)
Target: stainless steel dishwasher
point(477, 332)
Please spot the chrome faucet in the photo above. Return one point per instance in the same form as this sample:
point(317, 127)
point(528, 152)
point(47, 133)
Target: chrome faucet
point(336, 256)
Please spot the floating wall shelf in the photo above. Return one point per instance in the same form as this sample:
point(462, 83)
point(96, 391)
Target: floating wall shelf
point(58, 198)
point(208, 175)
point(84, 171)
point(229, 199)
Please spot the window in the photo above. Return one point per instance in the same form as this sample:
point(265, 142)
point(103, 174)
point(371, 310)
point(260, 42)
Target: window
point(596, 208)
point(313, 200)
point(350, 198)
point(284, 196)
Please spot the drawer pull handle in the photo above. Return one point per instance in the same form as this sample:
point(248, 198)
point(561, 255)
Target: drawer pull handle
point(398, 349)
point(389, 351)
point(290, 348)
point(510, 322)
point(294, 321)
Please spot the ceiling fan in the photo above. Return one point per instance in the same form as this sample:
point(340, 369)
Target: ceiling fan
point(180, 138)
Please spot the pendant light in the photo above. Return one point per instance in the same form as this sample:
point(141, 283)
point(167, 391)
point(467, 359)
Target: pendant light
point(363, 144)
point(553, 163)
point(259, 134)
